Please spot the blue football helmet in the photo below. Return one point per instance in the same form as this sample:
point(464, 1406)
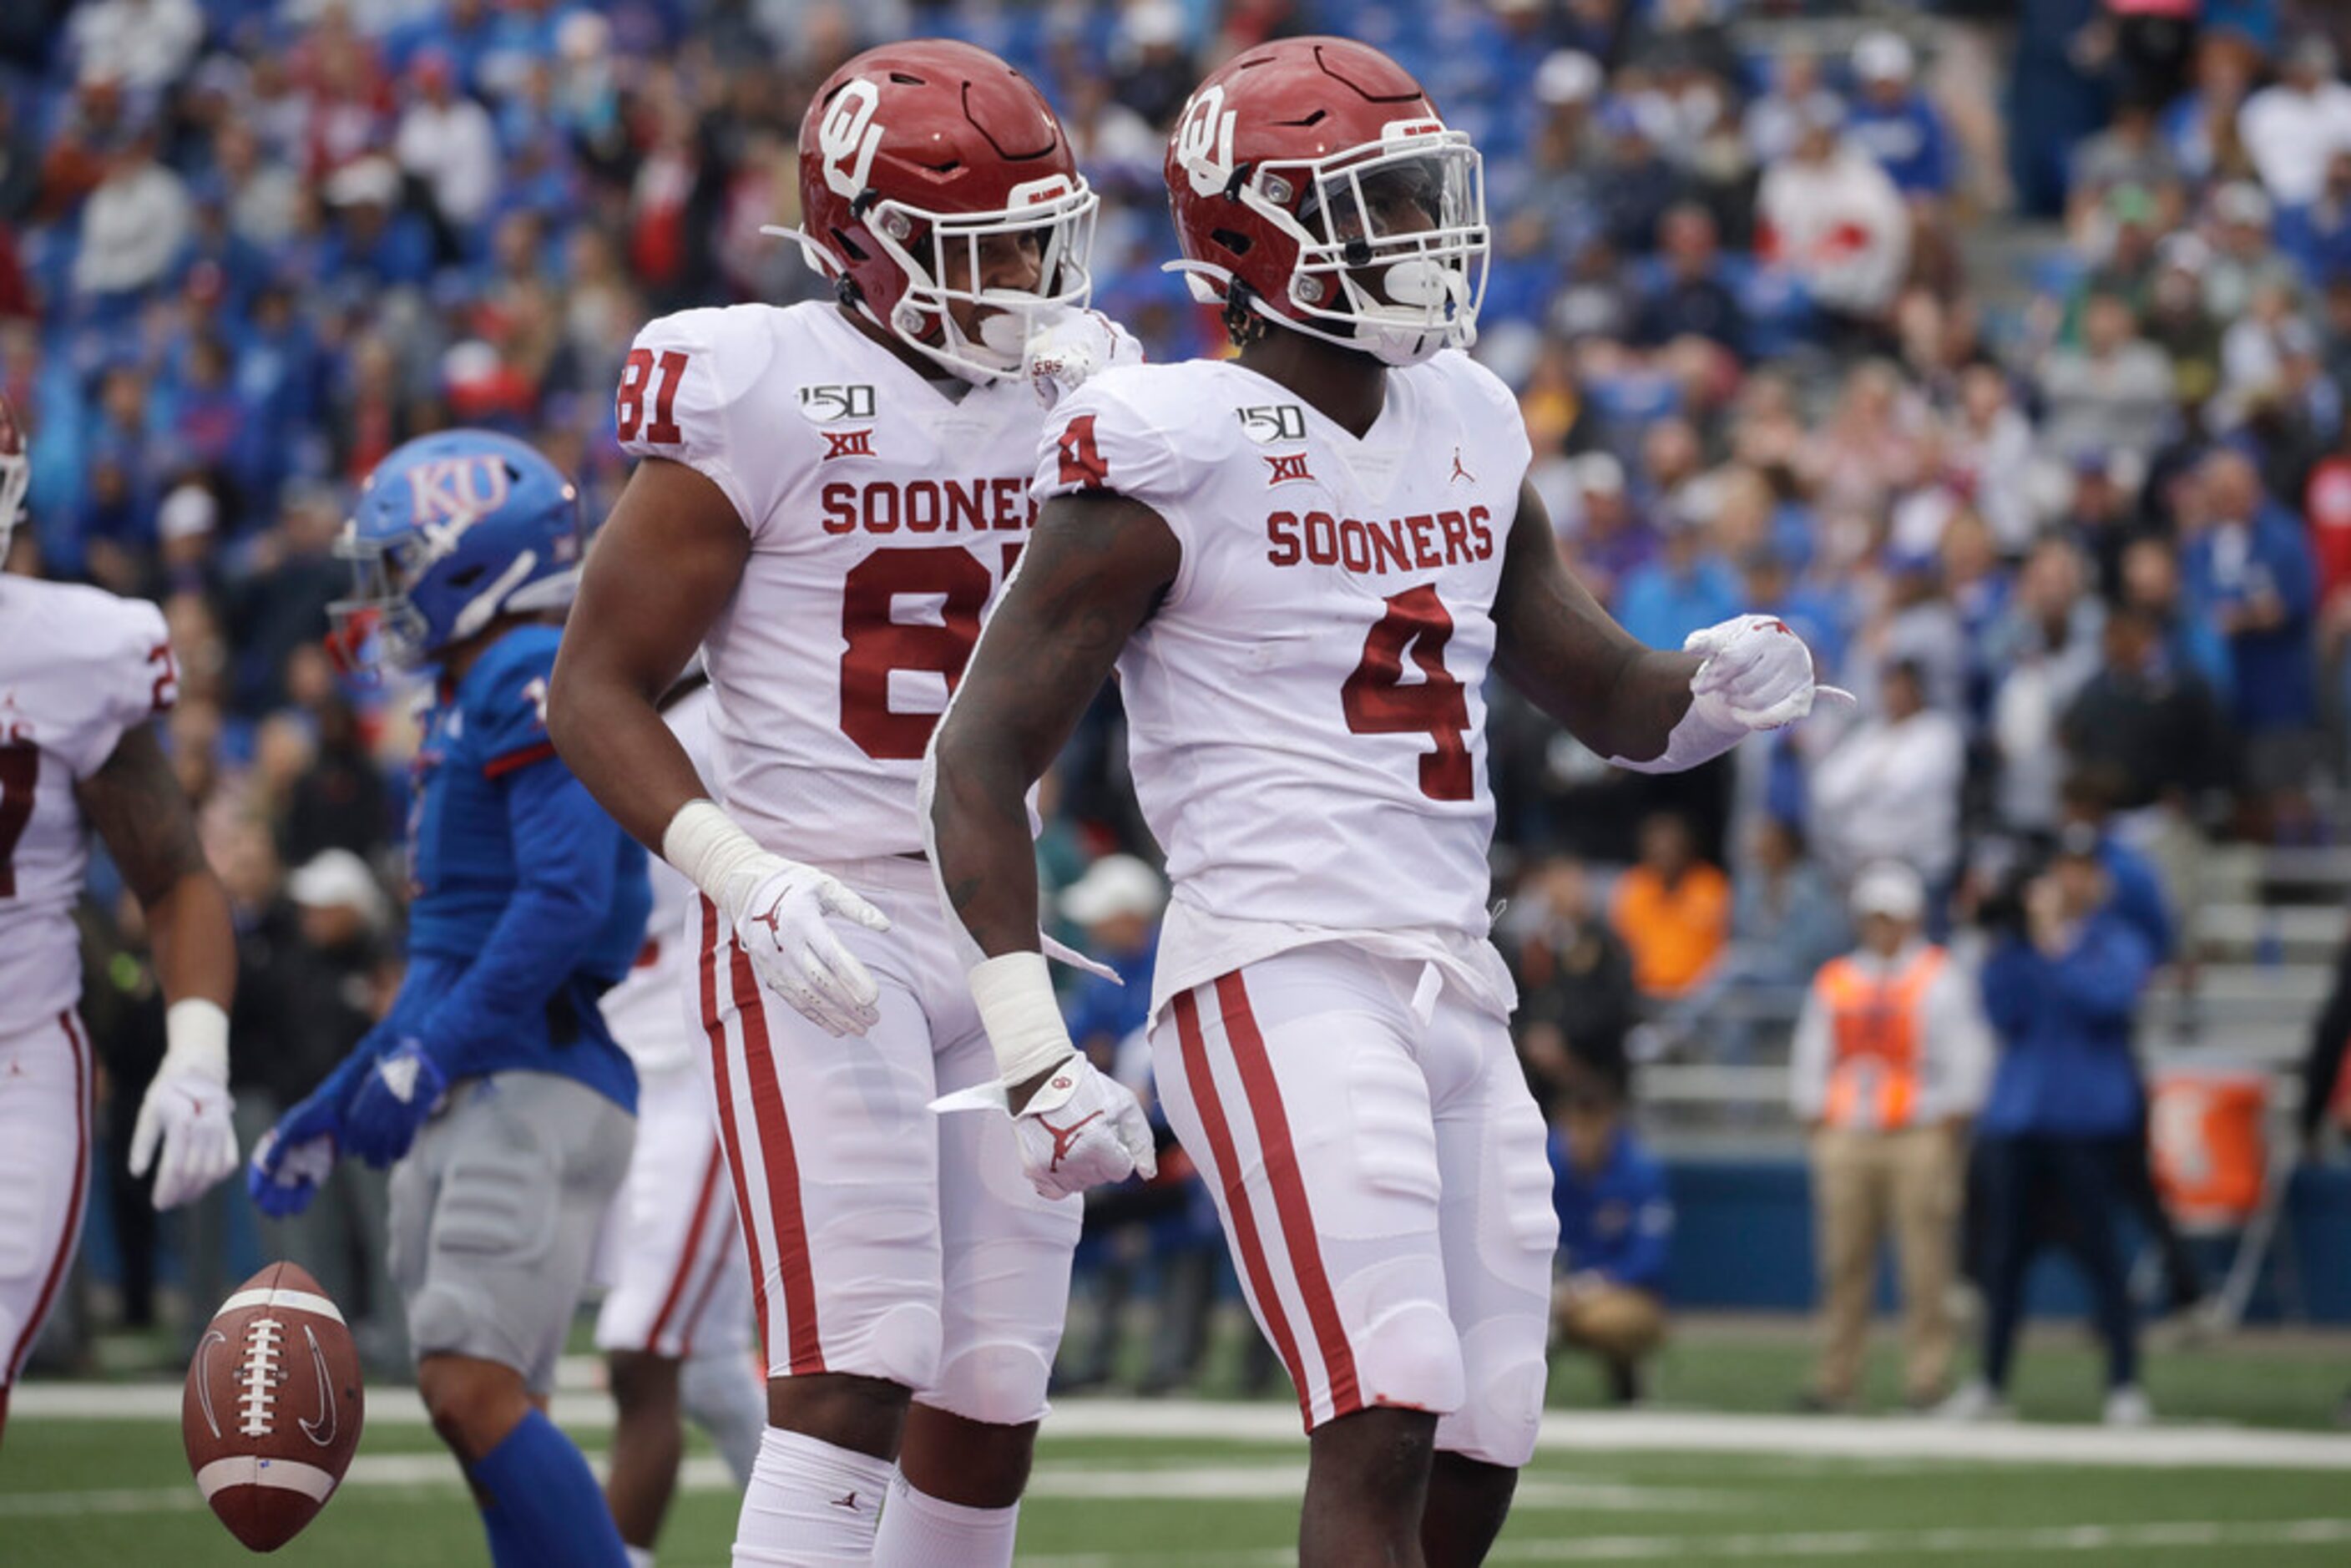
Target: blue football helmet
point(452, 532)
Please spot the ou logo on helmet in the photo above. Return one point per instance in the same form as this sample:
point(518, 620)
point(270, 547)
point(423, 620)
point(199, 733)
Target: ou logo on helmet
point(848, 137)
point(1204, 142)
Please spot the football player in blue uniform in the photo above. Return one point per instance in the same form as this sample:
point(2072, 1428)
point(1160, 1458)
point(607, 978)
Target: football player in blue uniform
point(493, 1083)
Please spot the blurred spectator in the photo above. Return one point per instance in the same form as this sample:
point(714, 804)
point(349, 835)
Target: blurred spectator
point(1829, 213)
point(1890, 788)
point(2293, 128)
point(1891, 1056)
point(446, 141)
point(132, 225)
point(1893, 121)
point(2061, 987)
point(2048, 647)
point(1116, 903)
point(2113, 391)
point(145, 44)
point(1692, 300)
point(1785, 922)
point(1672, 909)
point(1576, 1000)
point(1615, 1232)
point(2248, 566)
point(2143, 718)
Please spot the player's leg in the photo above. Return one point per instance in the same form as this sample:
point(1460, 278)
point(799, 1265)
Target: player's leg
point(671, 1241)
point(831, 1149)
point(1004, 1260)
point(45, 1155)
point(1295, 1086)
point(495, 1214)
point(1500, 1233)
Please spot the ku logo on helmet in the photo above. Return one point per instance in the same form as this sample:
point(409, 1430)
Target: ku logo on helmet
point(443, 491)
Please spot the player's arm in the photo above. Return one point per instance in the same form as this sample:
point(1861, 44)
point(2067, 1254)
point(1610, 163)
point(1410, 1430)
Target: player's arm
point(1096, 566)
point(1649, 709)
point(661, 569)
point(135, 803)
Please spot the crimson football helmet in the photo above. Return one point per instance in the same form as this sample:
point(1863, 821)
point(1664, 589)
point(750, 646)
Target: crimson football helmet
point(1313, 183)
point(15, 474)
point(912, 157)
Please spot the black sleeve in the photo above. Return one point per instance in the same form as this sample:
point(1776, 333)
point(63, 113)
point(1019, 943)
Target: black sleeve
point(2324, 1063)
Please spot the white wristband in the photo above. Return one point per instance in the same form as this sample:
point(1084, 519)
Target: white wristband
point(1706, 731)
point(1017, 1006)
point(703, 843)
point(195, 1038)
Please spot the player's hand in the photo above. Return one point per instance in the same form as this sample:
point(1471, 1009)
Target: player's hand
point(1060, 355)
point(783, 924)
point(294, 1156)
point(1082, 1128)
point(1757, 672)
point(185, 1115)
point(393, 1102)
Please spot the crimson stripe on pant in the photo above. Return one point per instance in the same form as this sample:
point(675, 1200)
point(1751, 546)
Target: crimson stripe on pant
point(783, 1172)
point(679, 1281)
point(71, 1235)
point(720, 1255)
point(1259, 1088)
point(1203, 1081)
point(715, 1028)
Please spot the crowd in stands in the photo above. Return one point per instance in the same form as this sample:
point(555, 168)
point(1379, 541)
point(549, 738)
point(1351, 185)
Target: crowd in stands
point(2071, 516)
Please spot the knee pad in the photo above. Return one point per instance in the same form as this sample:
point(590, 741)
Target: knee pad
point(900, 1346)
point(1497, 1420)
point(1410, 1357)
point(1001, 1384)
point(445, 1318)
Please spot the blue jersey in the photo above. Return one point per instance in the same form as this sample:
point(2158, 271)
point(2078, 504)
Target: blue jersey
point(528, 902)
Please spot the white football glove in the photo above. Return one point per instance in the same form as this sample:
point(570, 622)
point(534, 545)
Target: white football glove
point(1081, 1128)
point(779, 910)
point(1059, 356)
point(1757, 673)
point(782, 927)
point(186, 1112)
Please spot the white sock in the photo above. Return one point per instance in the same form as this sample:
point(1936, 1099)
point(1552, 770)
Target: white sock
point(726, 1400)
point(639, 1556)
point(809, 1504)
point(918, 1530)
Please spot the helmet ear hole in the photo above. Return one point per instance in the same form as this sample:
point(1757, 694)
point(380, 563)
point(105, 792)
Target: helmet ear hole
point(1232, 240)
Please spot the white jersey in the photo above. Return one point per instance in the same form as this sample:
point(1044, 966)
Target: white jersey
point(1305, 715)
point(884, 516)
point(78, 668)
point(646, 1011)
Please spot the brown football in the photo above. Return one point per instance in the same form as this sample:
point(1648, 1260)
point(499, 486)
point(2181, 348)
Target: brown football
point(271, 1416)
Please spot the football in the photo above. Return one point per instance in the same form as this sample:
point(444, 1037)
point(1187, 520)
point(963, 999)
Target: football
point(271, 1415)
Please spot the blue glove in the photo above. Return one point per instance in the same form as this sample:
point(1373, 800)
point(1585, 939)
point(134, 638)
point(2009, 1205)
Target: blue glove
point(393, 1099)
point(294, 1156)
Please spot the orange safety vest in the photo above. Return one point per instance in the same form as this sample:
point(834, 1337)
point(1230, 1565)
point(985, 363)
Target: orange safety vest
point(1875, 1039)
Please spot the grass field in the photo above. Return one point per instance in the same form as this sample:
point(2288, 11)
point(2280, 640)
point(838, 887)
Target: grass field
point(93, 1474)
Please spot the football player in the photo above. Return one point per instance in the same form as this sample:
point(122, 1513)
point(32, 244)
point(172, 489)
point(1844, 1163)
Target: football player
point(81, 675)
point(1302, 563)
point(675, 1325)
point(829, 498)
point(493, 1084)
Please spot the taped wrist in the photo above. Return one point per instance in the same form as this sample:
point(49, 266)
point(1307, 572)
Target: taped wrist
point(703, 843)
point(195, 1038)
point(1706, 731)
point(1023, 1019)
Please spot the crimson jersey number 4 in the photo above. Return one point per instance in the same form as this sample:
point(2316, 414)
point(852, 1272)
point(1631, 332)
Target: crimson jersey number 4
point(1378, 700)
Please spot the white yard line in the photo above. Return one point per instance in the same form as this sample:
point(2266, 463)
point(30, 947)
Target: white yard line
point(1816, 1545)
point(1578, 1431)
